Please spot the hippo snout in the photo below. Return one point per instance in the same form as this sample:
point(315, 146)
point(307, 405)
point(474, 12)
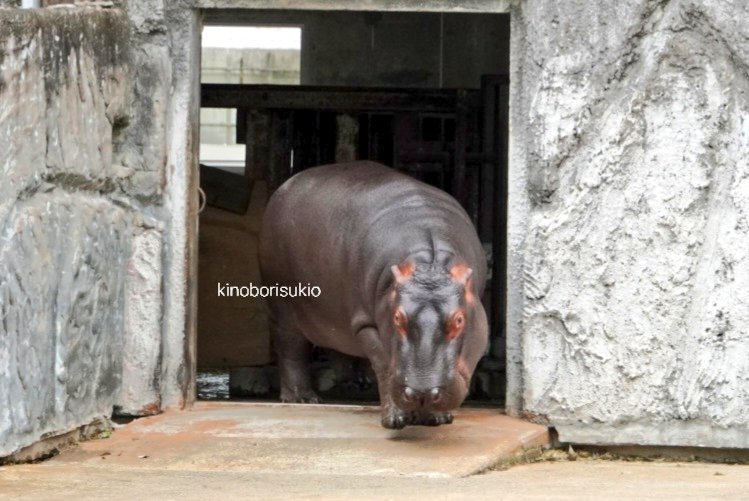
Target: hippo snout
point(422, 397)
point(442, 397)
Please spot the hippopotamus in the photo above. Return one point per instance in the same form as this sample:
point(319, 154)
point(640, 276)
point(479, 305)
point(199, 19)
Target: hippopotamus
point(401, 271)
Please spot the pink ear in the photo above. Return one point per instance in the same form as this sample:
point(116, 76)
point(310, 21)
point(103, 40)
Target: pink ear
point(461, 273)
point(402, 272)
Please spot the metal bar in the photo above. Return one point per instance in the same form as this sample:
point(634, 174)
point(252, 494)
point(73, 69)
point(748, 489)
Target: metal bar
point(488, 147)
point(461, 145)
point(250, 147)
point(280, 148)
point(241, 129)
point(341, 99)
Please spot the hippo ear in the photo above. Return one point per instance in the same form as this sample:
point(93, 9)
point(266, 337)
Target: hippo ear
point(402, 272)
point(461, 273)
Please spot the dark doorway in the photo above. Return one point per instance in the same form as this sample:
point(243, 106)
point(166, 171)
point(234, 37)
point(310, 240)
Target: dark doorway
point(423, 93)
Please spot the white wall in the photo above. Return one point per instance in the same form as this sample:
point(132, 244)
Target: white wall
point(630, 135)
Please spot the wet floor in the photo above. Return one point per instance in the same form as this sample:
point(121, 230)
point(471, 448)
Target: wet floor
point(213, 385)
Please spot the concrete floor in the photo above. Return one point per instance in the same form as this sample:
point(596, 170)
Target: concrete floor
point(580, 480)
point(312, 439)
point(269, 451)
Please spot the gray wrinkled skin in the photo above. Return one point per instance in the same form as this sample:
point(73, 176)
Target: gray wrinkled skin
point(377, 243)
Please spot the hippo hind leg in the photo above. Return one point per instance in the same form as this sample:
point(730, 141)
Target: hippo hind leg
point(293, 351)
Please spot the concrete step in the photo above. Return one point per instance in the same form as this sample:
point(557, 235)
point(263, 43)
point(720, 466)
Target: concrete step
point(309, 439)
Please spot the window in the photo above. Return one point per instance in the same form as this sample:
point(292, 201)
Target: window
point(242, 55)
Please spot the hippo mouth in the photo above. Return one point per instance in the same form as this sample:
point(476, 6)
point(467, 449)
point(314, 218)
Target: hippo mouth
point(463, 384)
point(457, 391)
point(464, 378)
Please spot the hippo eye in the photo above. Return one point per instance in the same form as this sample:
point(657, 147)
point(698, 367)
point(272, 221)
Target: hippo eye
point(456, 324)
point(398, 318)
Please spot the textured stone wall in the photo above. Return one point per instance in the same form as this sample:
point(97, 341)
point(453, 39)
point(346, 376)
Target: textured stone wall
point(631, 129)
point(69, 223)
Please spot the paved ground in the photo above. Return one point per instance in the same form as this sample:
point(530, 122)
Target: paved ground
point(239, 451)
point(580, 480)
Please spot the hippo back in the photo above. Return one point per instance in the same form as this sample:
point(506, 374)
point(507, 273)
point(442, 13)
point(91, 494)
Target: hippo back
point(342, 226)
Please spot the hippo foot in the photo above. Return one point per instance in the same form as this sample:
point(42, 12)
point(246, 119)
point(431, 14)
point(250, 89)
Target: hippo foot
point(301, 397)
point(434, 419)
point(396, 419)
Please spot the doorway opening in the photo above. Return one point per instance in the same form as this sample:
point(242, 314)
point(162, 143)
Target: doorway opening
point(424, 93)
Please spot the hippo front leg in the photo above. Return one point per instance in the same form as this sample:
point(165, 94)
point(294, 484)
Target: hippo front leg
point(393, 417)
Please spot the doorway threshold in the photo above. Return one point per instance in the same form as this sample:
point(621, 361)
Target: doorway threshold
point(310, 439)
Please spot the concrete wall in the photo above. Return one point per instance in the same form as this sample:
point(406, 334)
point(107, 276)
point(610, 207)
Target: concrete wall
point(256, 66)
point(68, 228)
point(630, 220)
point(160, 146)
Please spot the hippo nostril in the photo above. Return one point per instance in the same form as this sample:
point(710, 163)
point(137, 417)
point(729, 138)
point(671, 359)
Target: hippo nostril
point(422, 397)
point(436, 394)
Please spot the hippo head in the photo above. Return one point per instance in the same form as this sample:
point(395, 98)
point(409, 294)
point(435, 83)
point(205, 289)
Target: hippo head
point(439, 332)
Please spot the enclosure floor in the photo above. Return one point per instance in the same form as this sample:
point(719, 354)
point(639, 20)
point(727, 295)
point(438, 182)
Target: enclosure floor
point(318, 439)
point(270, 451)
